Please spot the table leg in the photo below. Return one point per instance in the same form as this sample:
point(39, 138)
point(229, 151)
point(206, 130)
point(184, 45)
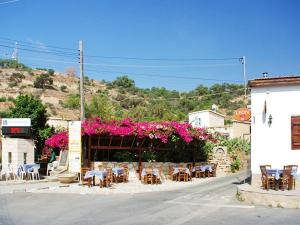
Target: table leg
point(276, 185)
point(89, 182)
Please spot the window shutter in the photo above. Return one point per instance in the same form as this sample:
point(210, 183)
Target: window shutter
point(295, 126)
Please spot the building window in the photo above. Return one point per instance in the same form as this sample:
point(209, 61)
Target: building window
point(295, 132)
point(25, 157)
point(9, 157)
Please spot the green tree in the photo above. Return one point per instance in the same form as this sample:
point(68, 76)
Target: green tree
point(100, 106)
point(73, 102)
point(43, 81)
point(9, 63)
point(27, 106)
point(124, 82)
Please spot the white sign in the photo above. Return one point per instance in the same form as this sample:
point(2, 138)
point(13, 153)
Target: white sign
point(75, 146)
point(16, 122)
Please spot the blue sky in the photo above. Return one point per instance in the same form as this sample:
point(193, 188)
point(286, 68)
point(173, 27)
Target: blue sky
point(265, 31)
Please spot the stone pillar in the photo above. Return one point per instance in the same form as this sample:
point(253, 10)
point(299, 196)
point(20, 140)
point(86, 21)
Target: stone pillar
point(220, 156)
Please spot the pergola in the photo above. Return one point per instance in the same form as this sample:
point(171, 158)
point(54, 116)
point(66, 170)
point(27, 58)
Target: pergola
point(98, 135)
point(130, 143)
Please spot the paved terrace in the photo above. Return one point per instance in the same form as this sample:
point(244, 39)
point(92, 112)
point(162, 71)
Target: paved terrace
point(254, 194)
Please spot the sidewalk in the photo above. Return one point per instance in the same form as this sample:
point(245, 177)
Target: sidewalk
point(9, 187)
point(281, 199)
point(133, 186)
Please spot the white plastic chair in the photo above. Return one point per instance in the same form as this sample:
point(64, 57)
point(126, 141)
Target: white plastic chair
point(22, 172)
point(9, 173)
point(51, 166)
point(35, 173)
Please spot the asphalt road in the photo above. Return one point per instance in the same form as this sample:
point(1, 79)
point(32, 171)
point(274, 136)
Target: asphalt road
point(203, 204)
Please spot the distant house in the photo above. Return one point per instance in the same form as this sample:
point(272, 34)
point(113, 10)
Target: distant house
point(58, 122)
point(215, 121)
point(206, 118)
point(275, 122)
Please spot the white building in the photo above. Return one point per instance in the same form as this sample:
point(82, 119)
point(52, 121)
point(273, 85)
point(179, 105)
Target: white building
point(206, 118)
point(275, 122)
point(57, 122)
point(17, 145)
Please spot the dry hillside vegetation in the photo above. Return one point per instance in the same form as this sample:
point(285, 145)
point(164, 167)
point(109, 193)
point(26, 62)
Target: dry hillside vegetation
point(59, 92)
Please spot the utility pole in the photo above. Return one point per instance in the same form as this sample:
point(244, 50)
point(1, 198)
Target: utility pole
point(82, 113)
point(245, 78)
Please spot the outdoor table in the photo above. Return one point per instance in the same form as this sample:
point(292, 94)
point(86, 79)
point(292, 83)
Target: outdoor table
point(27, 168)
point(203, 168)
point(117, 171)
point(155, 172)
point(277, 172)
point(95, 173)
point(176, 170)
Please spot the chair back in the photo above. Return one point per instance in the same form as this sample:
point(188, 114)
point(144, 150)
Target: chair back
point(294, 167)
point(287, 170)
point(109, 172)
point(149, 170)
point(35, 169)
point(100, 167)
point(263, 170)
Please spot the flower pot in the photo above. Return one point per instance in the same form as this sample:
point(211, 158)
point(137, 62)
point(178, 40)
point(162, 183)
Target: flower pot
point(66, 178)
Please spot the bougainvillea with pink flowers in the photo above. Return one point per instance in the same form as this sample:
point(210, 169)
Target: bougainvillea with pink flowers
point(59, 140)
point(165, 131)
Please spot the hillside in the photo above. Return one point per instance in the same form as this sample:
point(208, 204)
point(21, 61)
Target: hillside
point(59, 92)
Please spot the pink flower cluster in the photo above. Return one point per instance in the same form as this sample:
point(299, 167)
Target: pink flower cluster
point(164, 131)
point(59, 140)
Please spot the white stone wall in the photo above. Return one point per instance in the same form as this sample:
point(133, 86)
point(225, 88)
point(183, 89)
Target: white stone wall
point(215, 120)
point(17, 146)
point(272, 144)
point(206, 118)
point(58, 122)
point(240, 130)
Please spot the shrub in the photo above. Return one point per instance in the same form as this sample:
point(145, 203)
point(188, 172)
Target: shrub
point(12, 84)
point(63, 88)
point(18, 77)
point(43, 81)
point(235, 165)
point(73, 102)
point(124, 82)
point(10, 99)
point(3, 99)
point(4, 114)
point(50, 72)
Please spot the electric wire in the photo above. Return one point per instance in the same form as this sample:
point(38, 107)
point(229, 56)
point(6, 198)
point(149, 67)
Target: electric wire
point(165, 76)
point(131, 58)
point(139, 74)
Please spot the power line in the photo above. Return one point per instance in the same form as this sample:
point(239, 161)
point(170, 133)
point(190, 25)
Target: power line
point(131, 58)
point(30, 43)
point(164, 76)
point(62, 54)
point(39, 51)
point(50, 60)
point(163, 59)
point(7, 2)
point(136, 74)
point(40, 48)
point(157, 66)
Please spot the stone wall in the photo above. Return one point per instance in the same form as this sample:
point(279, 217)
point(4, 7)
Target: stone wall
point(220, 155)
